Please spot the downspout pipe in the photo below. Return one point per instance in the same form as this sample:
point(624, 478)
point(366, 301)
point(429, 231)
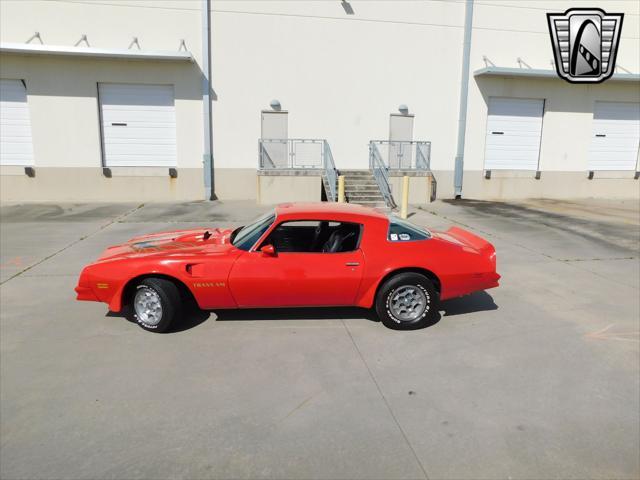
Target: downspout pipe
point(207, 110)
point(464, 94)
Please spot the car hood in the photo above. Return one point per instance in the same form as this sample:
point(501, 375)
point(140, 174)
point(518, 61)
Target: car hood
point(183, 242)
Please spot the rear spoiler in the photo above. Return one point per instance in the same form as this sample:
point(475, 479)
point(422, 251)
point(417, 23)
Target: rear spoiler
point(471, 240)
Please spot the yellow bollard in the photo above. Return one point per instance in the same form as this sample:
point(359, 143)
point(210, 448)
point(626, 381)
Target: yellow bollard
point(404, 207)
point(341, 189)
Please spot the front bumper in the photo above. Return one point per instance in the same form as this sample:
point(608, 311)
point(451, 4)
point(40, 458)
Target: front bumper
point(86, 294)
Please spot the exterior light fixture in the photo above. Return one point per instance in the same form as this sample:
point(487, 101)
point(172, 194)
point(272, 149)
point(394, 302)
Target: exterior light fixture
point(348, 9)
point(403, 109)
point(275, 104)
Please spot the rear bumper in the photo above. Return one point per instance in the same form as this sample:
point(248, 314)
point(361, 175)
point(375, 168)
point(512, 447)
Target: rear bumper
point(465, 284)
point(492, 280)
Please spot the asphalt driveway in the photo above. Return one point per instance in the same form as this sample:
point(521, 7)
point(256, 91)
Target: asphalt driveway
point(539, 378)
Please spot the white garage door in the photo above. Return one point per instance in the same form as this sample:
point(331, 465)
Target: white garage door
point(616, 135)
point(138, 125)
point(16, 145)
point(514, 127)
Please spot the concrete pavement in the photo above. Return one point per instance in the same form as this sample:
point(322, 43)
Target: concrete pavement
point(539, 378)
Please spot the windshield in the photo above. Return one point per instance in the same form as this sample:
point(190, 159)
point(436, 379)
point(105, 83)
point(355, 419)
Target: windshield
point(247, 236)
point(401, 230)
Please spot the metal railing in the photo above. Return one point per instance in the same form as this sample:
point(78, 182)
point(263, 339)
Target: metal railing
point(380, 174)
point(276, 154)
point(291, 153)
point(330, 174)
point(404, 155)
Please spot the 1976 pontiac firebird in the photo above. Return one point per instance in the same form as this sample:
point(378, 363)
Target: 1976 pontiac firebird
point(297, 255)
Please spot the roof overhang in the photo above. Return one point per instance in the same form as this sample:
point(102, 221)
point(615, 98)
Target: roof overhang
point(537, 73)
point(90, 52)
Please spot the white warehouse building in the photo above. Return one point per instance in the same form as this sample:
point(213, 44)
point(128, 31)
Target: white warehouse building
point(174, 100)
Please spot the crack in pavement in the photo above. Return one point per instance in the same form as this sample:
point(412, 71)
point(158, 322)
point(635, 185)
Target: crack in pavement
point(75, 242)
point(594, 259)
point(384, 399)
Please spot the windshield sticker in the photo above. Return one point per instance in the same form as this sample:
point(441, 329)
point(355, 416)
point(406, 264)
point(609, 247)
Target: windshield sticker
point(394, 237)
point(405, 236)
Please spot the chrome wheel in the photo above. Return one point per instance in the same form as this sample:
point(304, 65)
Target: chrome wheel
point(408, 302)
point(148, 306)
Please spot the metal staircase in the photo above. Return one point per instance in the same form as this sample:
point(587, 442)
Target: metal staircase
point(361, 187)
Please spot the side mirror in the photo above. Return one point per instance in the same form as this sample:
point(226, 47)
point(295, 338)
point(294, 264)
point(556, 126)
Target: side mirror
point(268, 251)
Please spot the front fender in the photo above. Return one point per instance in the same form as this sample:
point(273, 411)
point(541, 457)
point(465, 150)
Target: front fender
point(109, 280)
point(117, 298)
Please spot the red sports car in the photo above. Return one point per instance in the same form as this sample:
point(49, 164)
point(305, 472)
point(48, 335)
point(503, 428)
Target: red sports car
point(315, 254)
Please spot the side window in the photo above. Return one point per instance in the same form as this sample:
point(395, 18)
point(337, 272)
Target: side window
point(315, 236)
point(403, 231)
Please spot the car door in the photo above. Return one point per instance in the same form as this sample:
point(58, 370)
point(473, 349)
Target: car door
point(301, 275)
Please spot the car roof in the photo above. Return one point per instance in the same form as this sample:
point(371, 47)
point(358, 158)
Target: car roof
point(327, 211)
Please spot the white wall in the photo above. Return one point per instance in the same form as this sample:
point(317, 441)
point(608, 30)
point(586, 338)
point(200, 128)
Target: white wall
point(62, 91)
point(507, 29)
point(339, 76)
point(567, 122)
point(63, 104)
point(107, 24)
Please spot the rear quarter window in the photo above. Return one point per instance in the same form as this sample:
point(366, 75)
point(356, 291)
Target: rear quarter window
point(403, 231)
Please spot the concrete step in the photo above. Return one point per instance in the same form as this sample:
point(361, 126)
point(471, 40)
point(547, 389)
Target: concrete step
point(361, 188)
point(380, 206)
point(370, 199)
point(360, 181)
point(358, 193)
point(354, 173)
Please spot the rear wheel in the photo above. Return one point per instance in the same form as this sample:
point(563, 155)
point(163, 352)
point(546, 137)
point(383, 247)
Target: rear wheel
point(407, 301)
point(156, 302)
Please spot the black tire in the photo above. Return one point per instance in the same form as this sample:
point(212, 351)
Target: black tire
point(169, 298)
point(421, 287)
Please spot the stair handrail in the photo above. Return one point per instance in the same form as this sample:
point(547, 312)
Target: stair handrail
point(380, 174)
point(330, 172)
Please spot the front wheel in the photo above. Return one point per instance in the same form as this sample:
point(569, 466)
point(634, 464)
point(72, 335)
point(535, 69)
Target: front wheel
point(407, 301)
point(156, 302)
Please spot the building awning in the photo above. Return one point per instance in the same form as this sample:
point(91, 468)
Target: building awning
point(90, 52)
point(537, 73)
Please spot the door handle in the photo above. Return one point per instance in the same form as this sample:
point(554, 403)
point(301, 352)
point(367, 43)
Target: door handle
point(352, 264)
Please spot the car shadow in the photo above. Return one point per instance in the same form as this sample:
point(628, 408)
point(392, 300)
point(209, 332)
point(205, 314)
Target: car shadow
point(474, 302)
point(296, 313)
point(192, 317)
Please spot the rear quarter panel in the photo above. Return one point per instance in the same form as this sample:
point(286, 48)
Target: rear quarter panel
point(454, 265)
